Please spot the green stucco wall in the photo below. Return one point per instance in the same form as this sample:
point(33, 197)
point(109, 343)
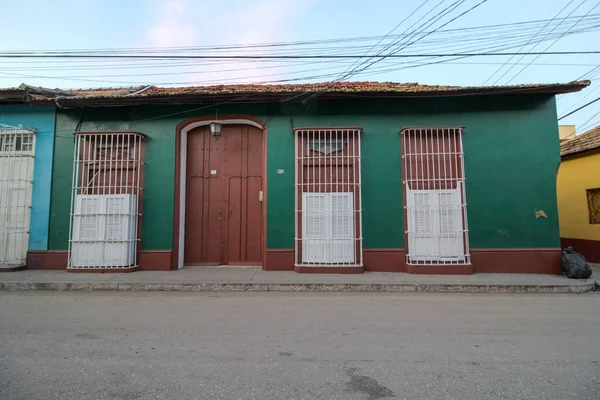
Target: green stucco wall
point(511, 157)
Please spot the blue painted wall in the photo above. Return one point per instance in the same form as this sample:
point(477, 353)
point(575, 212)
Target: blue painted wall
point(42, 120)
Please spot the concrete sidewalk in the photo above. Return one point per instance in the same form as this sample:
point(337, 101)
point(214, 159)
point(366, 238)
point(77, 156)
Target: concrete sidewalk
point(229, 278)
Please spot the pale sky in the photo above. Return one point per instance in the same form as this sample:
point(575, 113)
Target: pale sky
point(102, 24)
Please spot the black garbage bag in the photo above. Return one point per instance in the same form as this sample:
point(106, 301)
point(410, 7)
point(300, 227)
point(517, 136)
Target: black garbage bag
point(574, 265)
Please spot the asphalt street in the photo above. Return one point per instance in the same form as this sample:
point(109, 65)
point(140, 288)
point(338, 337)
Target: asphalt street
point(75, 345)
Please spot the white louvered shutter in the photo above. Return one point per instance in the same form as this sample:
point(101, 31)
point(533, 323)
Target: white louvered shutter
point(421, 229)
point(87, 249)
point(450, 224)
point(342, 228)
point(315, 227)
point(119, 247)
point(18, 223)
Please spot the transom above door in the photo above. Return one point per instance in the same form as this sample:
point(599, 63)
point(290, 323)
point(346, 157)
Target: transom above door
point(224, 196)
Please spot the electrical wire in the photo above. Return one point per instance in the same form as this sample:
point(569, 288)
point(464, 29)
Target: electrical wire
point(523, 47)
point(585, 126)
point(557, 39)
point(386, 35)
point(580, 108)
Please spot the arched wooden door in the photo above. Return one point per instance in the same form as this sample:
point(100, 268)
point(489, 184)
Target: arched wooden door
point(224, 197)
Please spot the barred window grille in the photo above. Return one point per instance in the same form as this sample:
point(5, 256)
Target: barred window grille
point(434, 183)
point(593, 197)
point(17, 149)
point(106, 203)
point(328, 200)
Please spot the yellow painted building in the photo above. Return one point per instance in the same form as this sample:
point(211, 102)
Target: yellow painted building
point(566, 132)
point(578, 186)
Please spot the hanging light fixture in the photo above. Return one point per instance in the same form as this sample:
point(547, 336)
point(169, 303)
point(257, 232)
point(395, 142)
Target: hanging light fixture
point(215, 129)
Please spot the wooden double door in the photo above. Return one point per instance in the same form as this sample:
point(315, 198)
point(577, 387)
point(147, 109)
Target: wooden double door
point(224, 197)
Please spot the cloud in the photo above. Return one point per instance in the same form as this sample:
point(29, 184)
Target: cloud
point(173, 29)
point(213, 22)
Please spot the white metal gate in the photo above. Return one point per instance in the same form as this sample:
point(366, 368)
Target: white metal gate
point(107, 182)
point(328, 212)
point(17, 149)
point(434, 183)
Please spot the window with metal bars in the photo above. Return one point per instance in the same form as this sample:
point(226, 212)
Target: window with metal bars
point(328, 198)
point(593, 197)
point(107, 184)
point(16, 179)
point(434, 184)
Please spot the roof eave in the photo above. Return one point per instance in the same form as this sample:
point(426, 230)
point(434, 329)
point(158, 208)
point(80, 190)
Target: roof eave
point(581, 153)
point(99, 101)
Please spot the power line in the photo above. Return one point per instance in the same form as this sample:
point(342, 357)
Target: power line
point(580, 108)
point(589, 126)
point(496, 49)
point(182, 63)
point(291, 43)
point(404, 35)
point(453, 19)
point(283, 57)
point(557, 39)
point(525, 45)
point(585, 126)
point(386, 35)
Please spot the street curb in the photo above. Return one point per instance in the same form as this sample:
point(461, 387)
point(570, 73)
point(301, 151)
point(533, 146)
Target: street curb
point(299, 287)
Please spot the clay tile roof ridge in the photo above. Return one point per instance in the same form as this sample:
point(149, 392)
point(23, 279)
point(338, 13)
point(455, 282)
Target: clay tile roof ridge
point(589, 140)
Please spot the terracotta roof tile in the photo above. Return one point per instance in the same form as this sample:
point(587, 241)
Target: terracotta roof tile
point(589, 140)
point(326, 87)
point(176, 95)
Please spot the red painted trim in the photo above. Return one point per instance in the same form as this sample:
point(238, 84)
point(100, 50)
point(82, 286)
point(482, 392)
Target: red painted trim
point(590, 249)
point(384, 260)
point(328, 270)
point(264, 202)
point(279, 260)
point(452, 269)
point(102, 271)
point(48, 259)
point(520, 249)
point(178, 129)
point(155, 260)
point(516, 261)
point(244, 264)
point(12, 269)
point(149, 260)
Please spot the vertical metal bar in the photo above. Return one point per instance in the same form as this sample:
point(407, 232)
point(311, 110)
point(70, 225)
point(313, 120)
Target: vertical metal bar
point(419, 157)
point(122, 167)
point(405, 176)
point(338, 160)
point(435, 152)
point(322, 215)
point(352, 158)
point(303, 152)
point(464, 202)
point(17, 243)
point(295, 198)
point(329, 165)
point(360, 206)
point(76, 155)
point(4, 135)
point(457, 161)
point(27, 194)
point(139, 189)
point(111, 214)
